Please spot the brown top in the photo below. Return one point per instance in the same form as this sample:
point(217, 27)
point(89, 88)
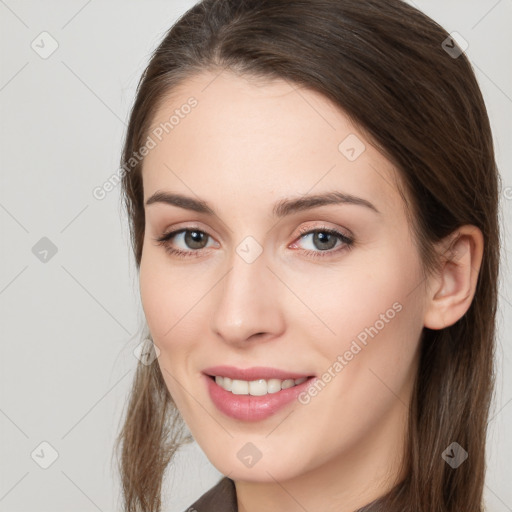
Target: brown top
point(220, 498)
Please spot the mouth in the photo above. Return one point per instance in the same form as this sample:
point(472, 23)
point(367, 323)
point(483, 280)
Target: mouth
point(254, 394)
point(258, 387)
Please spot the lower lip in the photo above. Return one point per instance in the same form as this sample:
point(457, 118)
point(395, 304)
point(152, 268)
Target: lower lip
point(252, 408)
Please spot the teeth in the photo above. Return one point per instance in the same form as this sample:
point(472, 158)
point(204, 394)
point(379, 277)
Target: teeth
point(258, 387)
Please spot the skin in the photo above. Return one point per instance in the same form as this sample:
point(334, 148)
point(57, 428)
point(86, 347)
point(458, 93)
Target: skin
point(247, 145)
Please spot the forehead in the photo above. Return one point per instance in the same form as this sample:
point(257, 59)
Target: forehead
point(251, 136)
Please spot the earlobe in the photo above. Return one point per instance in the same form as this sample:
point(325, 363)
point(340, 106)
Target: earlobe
point(451, 291)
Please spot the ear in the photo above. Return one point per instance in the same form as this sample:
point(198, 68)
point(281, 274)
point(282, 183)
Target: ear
point(451, 291)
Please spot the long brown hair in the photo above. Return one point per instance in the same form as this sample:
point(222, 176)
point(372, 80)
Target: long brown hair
point(385, 65)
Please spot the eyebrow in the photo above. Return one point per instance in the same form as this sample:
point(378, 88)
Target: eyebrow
point(282, 208)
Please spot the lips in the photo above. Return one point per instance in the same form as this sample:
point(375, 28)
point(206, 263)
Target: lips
point(253, 373)
point(253, 408)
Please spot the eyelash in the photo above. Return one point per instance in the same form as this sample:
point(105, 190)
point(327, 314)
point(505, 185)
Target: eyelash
point(166, 238)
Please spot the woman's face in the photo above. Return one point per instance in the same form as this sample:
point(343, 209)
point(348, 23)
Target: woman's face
point(259, 287)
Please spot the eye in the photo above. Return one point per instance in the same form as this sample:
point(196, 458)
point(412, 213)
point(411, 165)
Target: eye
point(193, 238)
point(325, 239)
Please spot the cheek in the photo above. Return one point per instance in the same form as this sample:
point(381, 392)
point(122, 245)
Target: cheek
point(167, 300)
point(168, 295)
point(355, 297)
point(372, 320)
point(370, 361)
point(387, 328)
point(157, 302)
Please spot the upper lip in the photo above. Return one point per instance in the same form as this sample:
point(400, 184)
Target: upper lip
point(253, 373)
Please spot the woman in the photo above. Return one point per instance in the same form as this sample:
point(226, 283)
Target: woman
point(312, 196)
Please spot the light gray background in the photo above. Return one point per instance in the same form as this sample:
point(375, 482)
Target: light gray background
point(69, 325)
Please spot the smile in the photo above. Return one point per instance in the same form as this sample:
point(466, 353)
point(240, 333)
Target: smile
point(259, 387)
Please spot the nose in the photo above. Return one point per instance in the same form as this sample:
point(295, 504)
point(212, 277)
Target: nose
point(247, 303)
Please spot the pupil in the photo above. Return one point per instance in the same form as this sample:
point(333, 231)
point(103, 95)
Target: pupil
point(323, 238)
point(194, 237)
